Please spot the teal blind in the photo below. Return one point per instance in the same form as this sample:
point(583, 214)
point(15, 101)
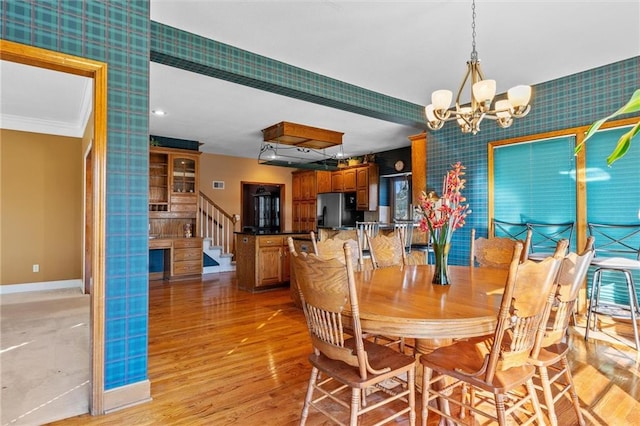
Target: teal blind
point(613, 197)
point(535, 182)
point(613, 193)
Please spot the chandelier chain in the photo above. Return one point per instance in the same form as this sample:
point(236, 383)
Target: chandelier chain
point(474, 54)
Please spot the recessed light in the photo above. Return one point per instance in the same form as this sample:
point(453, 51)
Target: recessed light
point(158, 112)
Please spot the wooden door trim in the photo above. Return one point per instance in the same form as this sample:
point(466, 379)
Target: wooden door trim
point(34, 56)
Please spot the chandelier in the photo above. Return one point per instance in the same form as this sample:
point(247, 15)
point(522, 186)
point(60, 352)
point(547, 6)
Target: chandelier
point(483, 91)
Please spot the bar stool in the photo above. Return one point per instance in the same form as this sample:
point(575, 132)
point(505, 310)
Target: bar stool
point(614, 242)
point(545, 236)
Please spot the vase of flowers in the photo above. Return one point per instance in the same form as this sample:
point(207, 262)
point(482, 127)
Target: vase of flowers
point(441, 216)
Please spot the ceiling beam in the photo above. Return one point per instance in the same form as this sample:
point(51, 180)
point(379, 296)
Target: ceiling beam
point(191, 52)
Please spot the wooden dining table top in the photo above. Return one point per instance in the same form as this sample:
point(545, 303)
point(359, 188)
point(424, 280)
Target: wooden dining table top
point(402, 301)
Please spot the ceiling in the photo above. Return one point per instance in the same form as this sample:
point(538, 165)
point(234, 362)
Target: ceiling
point(404, 49)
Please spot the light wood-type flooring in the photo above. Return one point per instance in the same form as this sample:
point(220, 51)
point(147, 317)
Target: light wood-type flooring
point(221, 356)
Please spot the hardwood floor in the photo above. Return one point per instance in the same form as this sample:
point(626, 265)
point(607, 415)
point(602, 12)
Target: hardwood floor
point(221, 356)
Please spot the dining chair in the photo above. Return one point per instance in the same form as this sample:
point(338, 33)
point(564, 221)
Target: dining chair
point(366, 228)
point(545, 236)
point(495, 252)
point(404, 229)
point(417, 251)
point(348, 371)
point(617, 252)
point(494, 369)
point(386, 250)
point(333, 248)
point(549, 354)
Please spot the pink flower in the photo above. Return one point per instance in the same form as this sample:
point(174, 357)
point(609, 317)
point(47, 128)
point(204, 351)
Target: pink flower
point(443, 215)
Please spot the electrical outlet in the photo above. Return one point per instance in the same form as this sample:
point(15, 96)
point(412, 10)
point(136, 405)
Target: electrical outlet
point(36, 268)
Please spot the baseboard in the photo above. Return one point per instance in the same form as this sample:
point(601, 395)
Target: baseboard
point(127, 396)
point(48, 285)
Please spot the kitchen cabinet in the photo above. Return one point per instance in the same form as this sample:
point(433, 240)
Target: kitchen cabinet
point(361, 179)
point(367, 178)
point(263, 260)
point(349, 180)
point(337, 181)
point(305, 188)
point(173, 182)
point(323, 182)
point(173, 202)
point(343, 180)
point(185, 259)
point(182, 258)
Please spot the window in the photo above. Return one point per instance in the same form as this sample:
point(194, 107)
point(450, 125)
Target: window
point(535, 182)
point(401, 198)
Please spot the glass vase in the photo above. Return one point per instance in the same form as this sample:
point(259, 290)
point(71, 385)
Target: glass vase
point(441, 255)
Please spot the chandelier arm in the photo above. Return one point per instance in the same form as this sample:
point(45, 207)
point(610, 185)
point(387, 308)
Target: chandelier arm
point(463, 84)
point(445, 116)
point(517, 113)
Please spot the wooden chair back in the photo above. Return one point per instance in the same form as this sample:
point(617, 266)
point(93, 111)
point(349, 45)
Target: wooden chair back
point(496, 252)
point(386, 250)
point(314, 241)
point(333, 248)
point(571, 276)
point(327, 288)
point(528, 288)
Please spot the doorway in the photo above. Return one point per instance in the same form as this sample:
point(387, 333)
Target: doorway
point(261, 207)
point(96, 191)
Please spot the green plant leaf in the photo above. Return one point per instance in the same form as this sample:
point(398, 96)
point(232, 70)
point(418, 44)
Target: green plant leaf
point(633, 105)
point(624, 143)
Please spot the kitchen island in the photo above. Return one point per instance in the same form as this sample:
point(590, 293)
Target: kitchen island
point(262, 258)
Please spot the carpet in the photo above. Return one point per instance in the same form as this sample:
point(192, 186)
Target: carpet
point(44, 356)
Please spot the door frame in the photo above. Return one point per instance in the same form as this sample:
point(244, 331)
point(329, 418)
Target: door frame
point(244, 185)
point(57, 61)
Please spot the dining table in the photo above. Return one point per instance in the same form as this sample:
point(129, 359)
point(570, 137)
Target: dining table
point(401, 301)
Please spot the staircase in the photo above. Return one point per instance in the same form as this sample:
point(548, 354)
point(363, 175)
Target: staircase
point(217, 231)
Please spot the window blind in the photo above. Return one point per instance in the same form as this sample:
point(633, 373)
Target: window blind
point(535, 182)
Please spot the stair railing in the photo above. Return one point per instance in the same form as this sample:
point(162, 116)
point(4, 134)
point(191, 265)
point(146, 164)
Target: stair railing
point(216, 224)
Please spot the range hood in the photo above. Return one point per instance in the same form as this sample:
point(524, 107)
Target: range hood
point(297, 145)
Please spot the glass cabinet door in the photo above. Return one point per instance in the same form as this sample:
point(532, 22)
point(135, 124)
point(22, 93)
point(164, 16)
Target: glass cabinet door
point(184, 175)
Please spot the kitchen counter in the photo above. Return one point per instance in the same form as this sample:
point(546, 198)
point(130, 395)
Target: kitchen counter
point(284, 233)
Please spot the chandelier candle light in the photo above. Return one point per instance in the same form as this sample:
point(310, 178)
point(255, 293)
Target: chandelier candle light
point(440, 216)
point(483, 91)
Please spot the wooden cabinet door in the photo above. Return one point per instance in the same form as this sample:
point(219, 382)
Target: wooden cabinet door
point(308, 186)
point(269, 265)
point(362, 191)
point(286, 264)
point(297, 215)
point(337, 181)
point(349, 180)
point(307, 214)
point(296, 186)
point(311, 216)
point(323, 182)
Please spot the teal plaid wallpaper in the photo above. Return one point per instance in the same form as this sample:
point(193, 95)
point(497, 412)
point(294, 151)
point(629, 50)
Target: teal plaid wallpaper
point(115, 32)
point(121, 34)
